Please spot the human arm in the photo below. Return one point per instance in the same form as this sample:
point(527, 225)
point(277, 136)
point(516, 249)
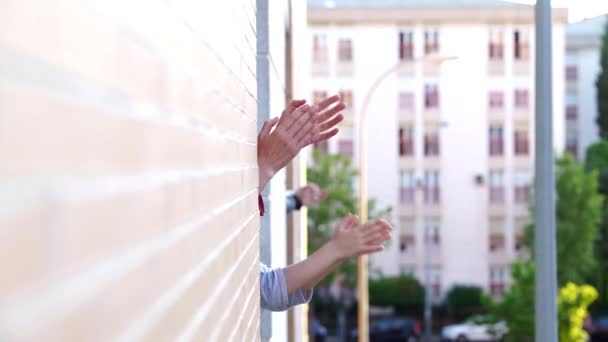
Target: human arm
point(348, 241)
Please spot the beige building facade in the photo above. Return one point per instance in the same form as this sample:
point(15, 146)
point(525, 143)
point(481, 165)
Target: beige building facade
point(450, 144)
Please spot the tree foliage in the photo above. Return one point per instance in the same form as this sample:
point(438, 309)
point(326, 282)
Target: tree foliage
point(404, 293)
point(335, 174)
point(578, 213)
point(596, 160)
point(516, 307)
point(463, 301)
point(602, 88)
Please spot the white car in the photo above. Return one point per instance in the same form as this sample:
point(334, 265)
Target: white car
point(470, 331)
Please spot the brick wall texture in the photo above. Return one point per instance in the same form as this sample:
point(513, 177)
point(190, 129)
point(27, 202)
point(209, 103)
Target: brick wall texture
point(128, 174)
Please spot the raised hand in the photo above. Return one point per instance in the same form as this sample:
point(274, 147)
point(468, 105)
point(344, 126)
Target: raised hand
point(299, 126)
point(351, 239)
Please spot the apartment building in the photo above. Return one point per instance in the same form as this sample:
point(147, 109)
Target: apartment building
point(451, 144)
point(583, 49)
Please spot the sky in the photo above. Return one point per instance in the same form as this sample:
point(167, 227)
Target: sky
point(578, 9)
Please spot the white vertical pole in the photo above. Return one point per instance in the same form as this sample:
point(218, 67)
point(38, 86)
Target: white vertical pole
point(544, 241)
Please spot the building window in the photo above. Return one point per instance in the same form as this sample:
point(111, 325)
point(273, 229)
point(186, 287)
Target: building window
point(496, 140)
point(431, 42)
point(520, 226)
point(522, 141)
point(498, 280)
point(406, 141)
point(431, 96)
point(347, 97)
point(406, 101)
point(431, 187)
point(431, 143)
point(519, 242)
point(436, 282)
point(319, 48)
point(522, 99)
point(571, 73)
point(572, 144)
point(521, 45)
point(496, 100)
point(571, 112)
point(406, 45)
point(318, 96)
point(406, 225)
point(497, 225)
point(496, 45)
point(345, 50)
point(407, 187)
point(433, 236)
point(497, 243)
point(345, 147)
point(522, 187)
point(407, 244)
point(497, 187)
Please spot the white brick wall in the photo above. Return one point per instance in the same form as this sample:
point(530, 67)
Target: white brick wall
point(128, 177)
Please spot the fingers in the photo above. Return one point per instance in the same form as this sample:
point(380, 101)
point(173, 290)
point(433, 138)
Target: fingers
point(384, 223)
point(372, 249)
point(331, 112)
point(370, 231)
point(331, 123)
point(349, 222)
point(324, 195)
point(299, 118)
point(324, 136)
point(303, 134)
point(377, 238)
point(268, 126)
point(293, 105)
point(328, 102)
point(292, 113)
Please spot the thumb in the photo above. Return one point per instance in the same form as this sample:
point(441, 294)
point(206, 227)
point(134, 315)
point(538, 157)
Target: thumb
point(349, 222)
point(268, 126)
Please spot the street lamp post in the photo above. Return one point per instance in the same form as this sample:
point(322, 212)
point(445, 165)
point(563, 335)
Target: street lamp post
point(362, 267)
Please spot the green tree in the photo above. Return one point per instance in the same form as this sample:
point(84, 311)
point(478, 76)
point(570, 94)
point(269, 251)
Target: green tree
point(335, 174)
point(404, 293)
point(516, 307)
point(463, 301)
point(602, 89)
point(596, 160)
point(578, 212)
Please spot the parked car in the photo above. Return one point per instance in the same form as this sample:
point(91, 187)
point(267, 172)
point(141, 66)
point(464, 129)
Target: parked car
point(472, 330)
point(599, 329)
point(392, 329)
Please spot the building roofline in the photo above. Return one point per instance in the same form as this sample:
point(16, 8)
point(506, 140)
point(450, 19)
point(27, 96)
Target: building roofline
point(431, 14)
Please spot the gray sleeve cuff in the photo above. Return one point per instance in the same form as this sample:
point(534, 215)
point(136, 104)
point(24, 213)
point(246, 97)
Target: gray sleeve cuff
point(273, 291)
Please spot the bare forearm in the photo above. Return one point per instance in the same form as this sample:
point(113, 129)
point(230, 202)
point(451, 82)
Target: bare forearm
point(307, 273)
point(264, 175)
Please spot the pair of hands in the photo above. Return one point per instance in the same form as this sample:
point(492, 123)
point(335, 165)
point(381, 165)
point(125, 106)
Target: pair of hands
point(352, 239)
point(300, 125)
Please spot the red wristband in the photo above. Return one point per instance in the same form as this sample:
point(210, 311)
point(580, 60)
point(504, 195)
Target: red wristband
point(261, 205)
